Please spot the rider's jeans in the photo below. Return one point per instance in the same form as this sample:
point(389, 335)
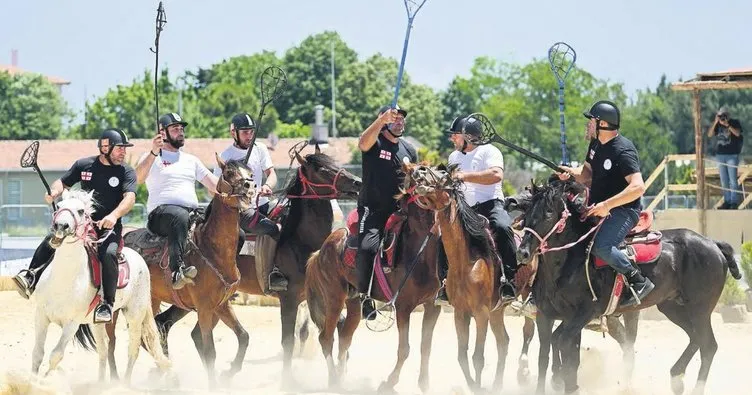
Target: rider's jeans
point(612, 232)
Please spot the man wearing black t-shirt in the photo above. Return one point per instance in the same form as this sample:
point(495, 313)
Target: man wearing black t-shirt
point(729, 142)
point(612, 170)
point(114, 186)
point(383, 152)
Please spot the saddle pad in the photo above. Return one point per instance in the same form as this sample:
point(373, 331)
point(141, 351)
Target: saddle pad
point(352, 222)
point(641, 253)
point(95, 268)
point(350, 251)
point(644, 223)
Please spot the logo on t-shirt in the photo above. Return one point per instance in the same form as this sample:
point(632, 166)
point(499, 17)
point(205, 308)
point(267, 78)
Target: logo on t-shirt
point(592, 154)
point(385, 155)
point(114, 181)
point(86, 176)
point(607, 164)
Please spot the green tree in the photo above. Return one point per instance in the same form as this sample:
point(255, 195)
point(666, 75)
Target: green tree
point(30, 108)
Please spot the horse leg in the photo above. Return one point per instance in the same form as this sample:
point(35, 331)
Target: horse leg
point(502, 346)
point(206, 321)
point(481, 330)
point(288, 310)
point(346, 331)
point(430, 316)
point(326, 338)
point(135, 329)
point(708, 347)
point(617, 331)
point(165, 320)
point(557, 381)
point(462, 327)
point(69, 330)
point(569, 340)
point(403, 349)
point(545, 328)
point(100, 337)
point(523, 370)
point(197, 337)
point(681, 317)
point(41, 324)
point(110, 327)
point(227, 315)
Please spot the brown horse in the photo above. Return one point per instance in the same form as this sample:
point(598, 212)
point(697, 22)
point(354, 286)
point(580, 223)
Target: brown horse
point(330, 282)
point(211, 249)
point(474, 275)
point(308, 221)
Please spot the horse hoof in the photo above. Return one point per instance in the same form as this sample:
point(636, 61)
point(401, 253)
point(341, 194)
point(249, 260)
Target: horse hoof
point(557, 383)
point(677, 384)
point(424, 385)
point(226, 377)
point(523, 376)
point(386, 388)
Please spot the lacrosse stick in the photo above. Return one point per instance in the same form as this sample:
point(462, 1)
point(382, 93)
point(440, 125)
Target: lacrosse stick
point(561, 57)
point(160, 22)
point(412, 7)
point(29, 159)
point(273, 82)
point(490, 135)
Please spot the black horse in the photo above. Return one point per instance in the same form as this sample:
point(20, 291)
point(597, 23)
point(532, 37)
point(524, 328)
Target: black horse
point(689, 277)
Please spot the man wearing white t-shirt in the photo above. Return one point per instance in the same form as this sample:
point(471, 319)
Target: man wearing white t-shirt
point(170, 175)
point(481, 168)
point(242, 130)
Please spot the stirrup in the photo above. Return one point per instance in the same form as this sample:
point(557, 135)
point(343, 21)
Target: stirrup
point(189, 271)
point(103, 316)
point(179, 280)
point(24, 288)
point(277, 281)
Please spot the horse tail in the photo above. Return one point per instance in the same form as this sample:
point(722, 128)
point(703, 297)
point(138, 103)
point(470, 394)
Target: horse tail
point(314, 290)
point(150, 336)
point(85, 338)
point(728, 253)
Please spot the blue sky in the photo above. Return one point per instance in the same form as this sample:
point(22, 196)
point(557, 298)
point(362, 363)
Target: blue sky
point(99, 44)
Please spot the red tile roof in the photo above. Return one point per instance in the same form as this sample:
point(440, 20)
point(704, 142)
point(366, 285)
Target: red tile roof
point(13, 70)
point(60, 154)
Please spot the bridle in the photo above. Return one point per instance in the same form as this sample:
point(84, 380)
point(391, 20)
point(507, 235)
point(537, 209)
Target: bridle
point(309, 186)
point(81, 231)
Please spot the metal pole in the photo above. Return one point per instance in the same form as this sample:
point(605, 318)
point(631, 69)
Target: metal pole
point(665, 183)
point(334, 111)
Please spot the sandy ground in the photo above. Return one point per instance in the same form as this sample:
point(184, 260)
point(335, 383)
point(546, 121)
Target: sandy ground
point(372, 357)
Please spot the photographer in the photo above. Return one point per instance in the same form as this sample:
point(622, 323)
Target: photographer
point(728, 146)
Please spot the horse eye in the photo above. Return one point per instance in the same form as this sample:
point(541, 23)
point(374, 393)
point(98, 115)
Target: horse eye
point(81, 211)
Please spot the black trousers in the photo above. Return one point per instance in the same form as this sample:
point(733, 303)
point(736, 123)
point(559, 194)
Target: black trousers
point(501, 227)
point(107, 254)
point(171, 221)
point(370, 231)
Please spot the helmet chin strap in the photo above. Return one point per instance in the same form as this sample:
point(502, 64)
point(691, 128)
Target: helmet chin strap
point(598, 129)
point(107, 155)
point(389, 129)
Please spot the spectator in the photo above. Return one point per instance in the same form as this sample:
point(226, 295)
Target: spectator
point(728, 146)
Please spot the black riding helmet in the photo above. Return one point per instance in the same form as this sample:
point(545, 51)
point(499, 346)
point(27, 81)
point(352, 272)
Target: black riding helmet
point(470, 127)
point(112, 137)
point(384, 109)
point(170, 119)
point(604, 110)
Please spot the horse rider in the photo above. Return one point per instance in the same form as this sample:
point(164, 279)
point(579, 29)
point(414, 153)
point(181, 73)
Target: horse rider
point(114, 186)
point(383, 150)
point(170, 175)
point(481, 168)
point(612, 171)
point(242, 130)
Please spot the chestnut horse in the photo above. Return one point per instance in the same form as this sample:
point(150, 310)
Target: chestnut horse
point(211, 249)
point(330, 283)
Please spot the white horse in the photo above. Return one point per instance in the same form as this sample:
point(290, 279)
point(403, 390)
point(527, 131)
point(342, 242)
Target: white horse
point(65, 293)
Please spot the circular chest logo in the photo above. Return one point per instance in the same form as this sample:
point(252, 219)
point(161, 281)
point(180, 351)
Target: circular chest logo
point(114, 181)
point(607, 164)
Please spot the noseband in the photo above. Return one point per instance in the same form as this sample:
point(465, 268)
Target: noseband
point(82, 230)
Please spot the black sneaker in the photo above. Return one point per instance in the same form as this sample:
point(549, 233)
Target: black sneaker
point(642, 286)
point(23, 281)
point(277, 281)
point(103, 313)
point(368, 309)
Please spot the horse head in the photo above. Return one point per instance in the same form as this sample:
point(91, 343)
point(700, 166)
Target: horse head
point(319, 176)
point(548, 209)
point(235, 186)
point(431, 186)
point(72, 217)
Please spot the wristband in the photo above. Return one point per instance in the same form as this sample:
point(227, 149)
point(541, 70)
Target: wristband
point(152, 152)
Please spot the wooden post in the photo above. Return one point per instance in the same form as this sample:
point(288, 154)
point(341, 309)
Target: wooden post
point(699, 159)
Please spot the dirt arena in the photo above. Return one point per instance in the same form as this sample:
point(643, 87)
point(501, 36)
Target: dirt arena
point(372, 357)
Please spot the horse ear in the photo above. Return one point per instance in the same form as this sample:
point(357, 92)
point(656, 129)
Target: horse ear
point(301, 160)
point(65, 194)
point(441, 167)
point(220, 162)
point(318, 149)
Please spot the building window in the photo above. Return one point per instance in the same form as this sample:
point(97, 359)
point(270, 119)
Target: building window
point(14, 197)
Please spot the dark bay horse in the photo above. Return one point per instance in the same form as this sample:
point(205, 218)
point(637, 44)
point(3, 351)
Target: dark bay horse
point(307, 223)
point(474, 277)
point(330, 280)
point(689, 275)
point(211, 249)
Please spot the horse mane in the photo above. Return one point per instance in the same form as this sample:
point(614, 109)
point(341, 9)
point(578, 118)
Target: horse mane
point(236, 164)
point(295, 187)
point(474, 225)
point(88, 200)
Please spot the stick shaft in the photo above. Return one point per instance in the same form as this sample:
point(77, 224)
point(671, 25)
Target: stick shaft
point(528, 153)
point(402, 62)
point(46, 185)
point(563, 127)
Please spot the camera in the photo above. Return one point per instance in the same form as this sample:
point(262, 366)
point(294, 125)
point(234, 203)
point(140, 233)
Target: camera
point(723, 117)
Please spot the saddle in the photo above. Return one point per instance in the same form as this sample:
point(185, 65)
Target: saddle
point(642, 245)
point(392, 231)
point(278, 214)
point(95, 266)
